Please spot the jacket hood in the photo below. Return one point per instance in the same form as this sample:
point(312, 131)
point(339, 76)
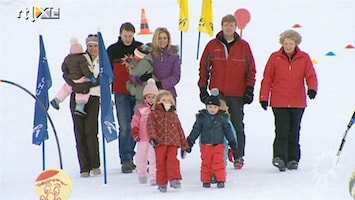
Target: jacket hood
point(174, 49)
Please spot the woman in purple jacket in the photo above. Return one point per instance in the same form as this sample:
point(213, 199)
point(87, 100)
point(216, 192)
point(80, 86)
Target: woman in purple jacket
point(164, 60)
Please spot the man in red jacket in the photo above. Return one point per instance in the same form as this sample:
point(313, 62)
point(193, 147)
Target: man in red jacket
point(227, 63)
point(124, 101)
point(283, 86)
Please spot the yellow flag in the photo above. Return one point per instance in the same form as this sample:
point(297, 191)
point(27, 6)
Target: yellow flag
point(206, 21)
point(184, 21)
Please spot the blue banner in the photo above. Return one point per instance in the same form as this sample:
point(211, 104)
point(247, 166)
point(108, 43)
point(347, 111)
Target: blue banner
point(108, 124)
point(44, 82)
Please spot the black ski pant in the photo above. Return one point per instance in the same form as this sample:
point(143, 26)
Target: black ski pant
point(236, 111)
point(86, 131)
point(287, 133)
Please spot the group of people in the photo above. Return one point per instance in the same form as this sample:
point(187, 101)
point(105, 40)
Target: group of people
point(145, 100)
point(227, 63)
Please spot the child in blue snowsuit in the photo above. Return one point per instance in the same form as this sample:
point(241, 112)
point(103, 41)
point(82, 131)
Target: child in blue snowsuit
point(212, 126)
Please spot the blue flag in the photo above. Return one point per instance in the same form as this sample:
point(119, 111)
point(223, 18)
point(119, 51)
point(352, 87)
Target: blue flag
point(44, 82)
point(106, 78)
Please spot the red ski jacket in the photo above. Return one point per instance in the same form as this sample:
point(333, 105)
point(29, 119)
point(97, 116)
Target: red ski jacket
point(284, 80)
point(227, 66)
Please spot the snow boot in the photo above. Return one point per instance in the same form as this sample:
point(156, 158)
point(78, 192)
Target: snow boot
point(292, 165)
point(55, 103)
point(175, 184)
point(206, 185)
point(79, 109)
point(153, 182)
point(162, 188)
point(126, 167)
point(279, 163)
point(84, 174)
point(238, 163)
point(220, 185)
point(142, 179)
point(96, 171)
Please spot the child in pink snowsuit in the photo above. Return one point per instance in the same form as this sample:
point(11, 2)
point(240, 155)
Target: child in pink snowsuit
point(145, 155)
point(76, 68)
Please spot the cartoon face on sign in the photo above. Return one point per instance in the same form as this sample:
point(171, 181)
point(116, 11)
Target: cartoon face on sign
point(53, 184)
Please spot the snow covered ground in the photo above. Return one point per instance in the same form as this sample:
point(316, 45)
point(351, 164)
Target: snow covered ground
point(327, 25)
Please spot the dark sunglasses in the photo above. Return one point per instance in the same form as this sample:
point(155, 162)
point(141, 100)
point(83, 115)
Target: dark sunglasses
point(92, 35)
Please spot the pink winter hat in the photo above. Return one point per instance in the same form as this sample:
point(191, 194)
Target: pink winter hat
point(75, 47)
point(150, 88)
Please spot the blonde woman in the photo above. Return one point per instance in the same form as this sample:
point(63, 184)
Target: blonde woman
point(165, 61)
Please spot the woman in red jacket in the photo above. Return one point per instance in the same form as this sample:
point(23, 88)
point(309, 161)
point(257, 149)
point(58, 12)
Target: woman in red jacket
point(283, 86)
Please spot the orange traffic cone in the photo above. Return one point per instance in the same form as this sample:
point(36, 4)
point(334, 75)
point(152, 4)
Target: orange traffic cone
point(144, 25)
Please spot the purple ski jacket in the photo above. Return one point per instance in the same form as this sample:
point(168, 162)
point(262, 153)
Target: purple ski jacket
point(167, 68)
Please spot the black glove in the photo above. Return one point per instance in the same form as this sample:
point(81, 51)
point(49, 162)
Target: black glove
point(145, 77)
point(183, 153)
point(190, 143)
point(203, 94)
point(188, 150)
point(159, 85)
point(264, 104)
point(311, 94)
point(249, 95)
point(154, 142)
point(82, 87)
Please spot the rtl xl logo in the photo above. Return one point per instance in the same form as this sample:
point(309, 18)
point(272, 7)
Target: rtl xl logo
point(38, 13)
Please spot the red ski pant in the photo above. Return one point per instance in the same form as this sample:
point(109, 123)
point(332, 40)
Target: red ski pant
point(168, 166)
point(213, 162)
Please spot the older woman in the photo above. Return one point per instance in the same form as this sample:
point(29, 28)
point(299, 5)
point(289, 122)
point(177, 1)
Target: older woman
point(283, 88)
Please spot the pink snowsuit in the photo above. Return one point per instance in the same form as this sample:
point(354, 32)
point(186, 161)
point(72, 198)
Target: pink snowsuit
point(145, 151)
point(66, 90)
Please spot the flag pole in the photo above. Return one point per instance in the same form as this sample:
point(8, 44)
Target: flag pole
point(43, 107)
point(180, 47)
point(43, 155)
point(102, 132)
point(108, 127)
point(198, 44)
point(43, 143)
point(104, 157)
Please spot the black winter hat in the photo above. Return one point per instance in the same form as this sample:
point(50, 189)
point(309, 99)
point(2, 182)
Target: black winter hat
point(213, 99)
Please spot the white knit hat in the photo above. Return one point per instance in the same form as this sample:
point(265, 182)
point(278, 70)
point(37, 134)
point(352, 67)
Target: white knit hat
point(142, 50)
point(150, 88)
point(75, 47)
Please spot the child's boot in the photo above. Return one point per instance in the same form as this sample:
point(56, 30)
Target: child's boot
point(162, 188)
point(220, 184)
point(176, 184)
point(79, 109)
point(55, 103)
